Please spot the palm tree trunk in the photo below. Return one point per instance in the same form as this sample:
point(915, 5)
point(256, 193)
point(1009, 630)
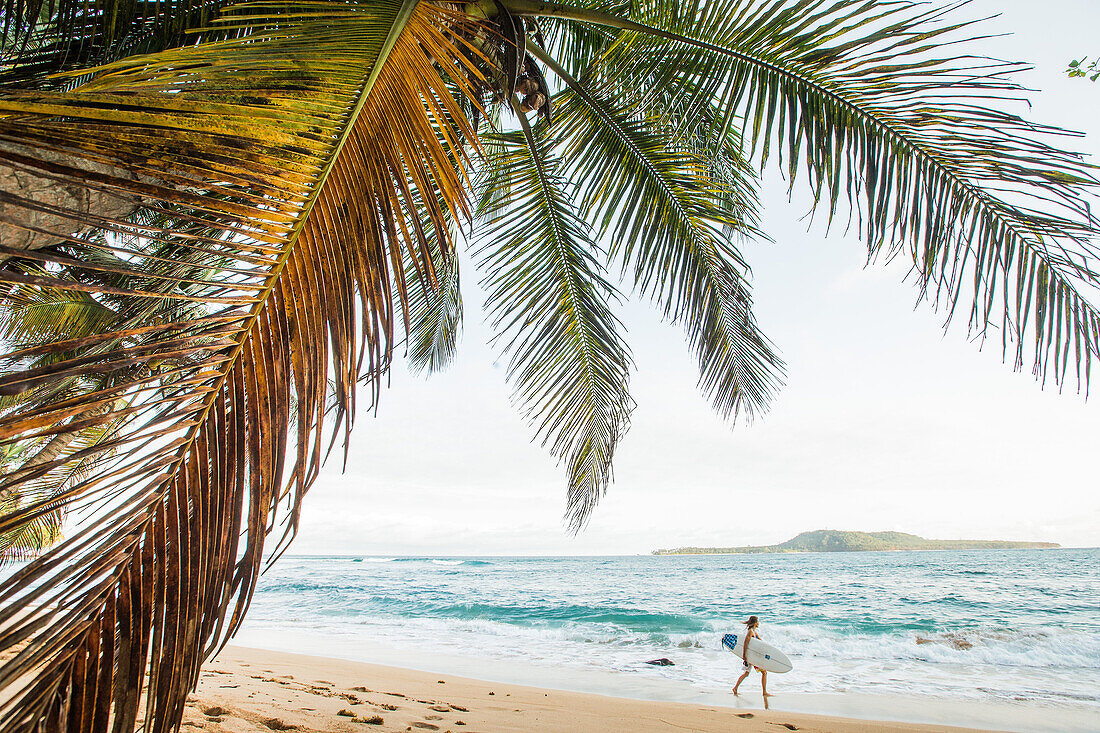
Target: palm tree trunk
point(38, 207)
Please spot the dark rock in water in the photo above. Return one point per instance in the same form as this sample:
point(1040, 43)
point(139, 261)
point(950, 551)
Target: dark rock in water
point(662, 662)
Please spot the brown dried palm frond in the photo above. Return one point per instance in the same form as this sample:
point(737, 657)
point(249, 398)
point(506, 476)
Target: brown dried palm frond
point(298, 148)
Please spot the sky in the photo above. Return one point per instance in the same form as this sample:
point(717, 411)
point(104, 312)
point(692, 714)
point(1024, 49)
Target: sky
point(886, 422)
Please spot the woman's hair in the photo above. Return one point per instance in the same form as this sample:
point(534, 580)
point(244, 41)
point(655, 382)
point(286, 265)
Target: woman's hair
point(753, 622)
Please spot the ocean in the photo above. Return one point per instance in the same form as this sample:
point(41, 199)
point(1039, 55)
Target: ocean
point(1016, 627)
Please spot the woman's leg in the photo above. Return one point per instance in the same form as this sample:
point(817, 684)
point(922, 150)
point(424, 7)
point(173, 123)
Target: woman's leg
point(740, 680)
point(764, 683)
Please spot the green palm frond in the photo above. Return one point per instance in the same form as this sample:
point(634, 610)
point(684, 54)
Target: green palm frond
point(39, 38)
point(69, 463)
point(435, 319)
point(36, 318)
point(574, 45)
point(434, 308)
point(921, 145)
point(41, 315)
point(670, 221)
point(548, 299)
point(30, 539)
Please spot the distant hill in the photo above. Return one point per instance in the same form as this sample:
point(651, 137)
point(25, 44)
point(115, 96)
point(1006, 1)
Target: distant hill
point(831, 540)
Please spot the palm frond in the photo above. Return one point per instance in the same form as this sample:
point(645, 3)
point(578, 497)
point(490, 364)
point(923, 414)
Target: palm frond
point(575, 45)
point(39, 38)
point(38, 315)
point(46, 322)
point(548, 299)
point(922, 146)
point(670, 221)
point(43, 531)
point(435, 319)
point(434, 307)
point(294, 144)
point(30, 539)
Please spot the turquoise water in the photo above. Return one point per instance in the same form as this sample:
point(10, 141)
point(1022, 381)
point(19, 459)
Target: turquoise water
point(1016, 625)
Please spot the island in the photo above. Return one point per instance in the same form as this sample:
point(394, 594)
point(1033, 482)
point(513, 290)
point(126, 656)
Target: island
point(831, 540)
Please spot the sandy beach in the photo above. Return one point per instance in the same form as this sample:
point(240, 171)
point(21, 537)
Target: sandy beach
point(249, 690)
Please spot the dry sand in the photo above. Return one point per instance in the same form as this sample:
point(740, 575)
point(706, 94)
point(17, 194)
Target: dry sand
point(255, 691)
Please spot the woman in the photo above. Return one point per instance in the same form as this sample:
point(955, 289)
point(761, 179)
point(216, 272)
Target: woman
point(751, 633)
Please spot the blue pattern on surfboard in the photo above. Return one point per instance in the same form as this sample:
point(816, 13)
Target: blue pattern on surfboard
point(730, 641)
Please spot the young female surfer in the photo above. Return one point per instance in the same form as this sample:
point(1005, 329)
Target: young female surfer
point(751, 627)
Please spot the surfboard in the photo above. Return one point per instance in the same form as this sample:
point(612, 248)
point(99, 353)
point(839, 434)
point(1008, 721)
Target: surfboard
point(761, 654)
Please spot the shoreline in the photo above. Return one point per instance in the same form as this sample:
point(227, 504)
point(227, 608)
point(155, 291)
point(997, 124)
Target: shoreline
point(247, 690)
point(649, 686)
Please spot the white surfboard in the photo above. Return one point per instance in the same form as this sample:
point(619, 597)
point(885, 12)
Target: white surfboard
point(761, 654)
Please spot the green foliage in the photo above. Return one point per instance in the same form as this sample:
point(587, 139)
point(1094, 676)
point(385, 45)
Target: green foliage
point(550, 303)
point(668, 213)
point(47, 37)
point(1079, 68)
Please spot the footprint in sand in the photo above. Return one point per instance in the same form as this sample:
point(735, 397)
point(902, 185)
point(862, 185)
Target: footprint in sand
point(276, 724)
point(425, 726)
point(272, 679)
point(788, 726)
point(745, 715)
point(214, 711)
